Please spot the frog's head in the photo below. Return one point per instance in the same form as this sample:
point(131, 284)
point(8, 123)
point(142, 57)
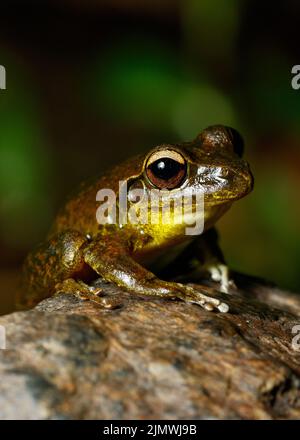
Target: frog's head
point(216, 165)
point(211, 165)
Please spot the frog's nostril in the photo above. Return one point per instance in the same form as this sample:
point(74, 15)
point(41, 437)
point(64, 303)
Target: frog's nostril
point(225, 173)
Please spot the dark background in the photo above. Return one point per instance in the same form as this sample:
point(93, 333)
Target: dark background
point(92, 82)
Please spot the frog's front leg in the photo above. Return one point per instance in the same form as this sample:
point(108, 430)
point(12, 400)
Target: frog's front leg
point(206, 257)
point(111, 259)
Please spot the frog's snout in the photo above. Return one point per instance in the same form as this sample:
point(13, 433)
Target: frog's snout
point(226, 182)
point(244, 181)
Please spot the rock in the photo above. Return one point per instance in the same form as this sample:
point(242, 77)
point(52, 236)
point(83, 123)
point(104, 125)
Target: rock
point(153, 359)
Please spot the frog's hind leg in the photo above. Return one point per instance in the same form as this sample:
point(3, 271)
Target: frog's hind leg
point(86, 293)
point(54, 261)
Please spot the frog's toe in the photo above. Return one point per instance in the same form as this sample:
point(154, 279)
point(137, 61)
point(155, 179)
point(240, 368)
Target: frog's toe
point(110, 303)
point(93, 294)
point(223, 307)
point(219, 273)
point(210, 304)
point(71, 286)
point(206, 302)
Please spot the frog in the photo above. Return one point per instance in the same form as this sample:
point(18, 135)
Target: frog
point(138, 257)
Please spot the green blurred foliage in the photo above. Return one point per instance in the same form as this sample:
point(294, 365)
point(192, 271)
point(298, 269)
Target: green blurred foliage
point(136, 82)
point(276, 103)
point(144, 84)
point(26, 201)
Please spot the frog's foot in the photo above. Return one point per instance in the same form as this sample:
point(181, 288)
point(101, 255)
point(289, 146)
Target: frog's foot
point(194, 296)
point(85, 292)
point(219, 273)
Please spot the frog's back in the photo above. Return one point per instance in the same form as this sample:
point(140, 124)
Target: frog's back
point(79, 211)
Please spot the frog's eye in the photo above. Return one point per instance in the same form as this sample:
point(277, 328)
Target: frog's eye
point(166, 169)
point(219, 136)
point(237, 142)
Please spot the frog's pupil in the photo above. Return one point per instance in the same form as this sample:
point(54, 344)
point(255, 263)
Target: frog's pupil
point(165, 168)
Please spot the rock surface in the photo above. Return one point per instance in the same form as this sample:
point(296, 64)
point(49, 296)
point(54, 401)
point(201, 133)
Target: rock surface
point(153, 359)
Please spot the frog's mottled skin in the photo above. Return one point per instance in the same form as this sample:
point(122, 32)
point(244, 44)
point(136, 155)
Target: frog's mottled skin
point(79, 250)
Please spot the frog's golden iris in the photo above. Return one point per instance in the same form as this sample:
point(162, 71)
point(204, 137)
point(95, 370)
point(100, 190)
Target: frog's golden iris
point(166, 169)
